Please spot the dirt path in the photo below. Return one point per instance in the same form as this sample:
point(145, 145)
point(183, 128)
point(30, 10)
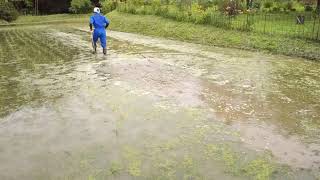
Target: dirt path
point(166, 109)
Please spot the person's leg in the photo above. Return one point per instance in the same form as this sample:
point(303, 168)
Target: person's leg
point(95, 38)
point(103, 39)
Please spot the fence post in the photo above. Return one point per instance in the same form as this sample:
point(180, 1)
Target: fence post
point(264, 25)
point(247, 24)
point(318, 27)
point(314, 24)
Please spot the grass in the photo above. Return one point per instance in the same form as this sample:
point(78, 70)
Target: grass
point(203, 34)
point(209, 35)
point(271, 23)
point(48, 19)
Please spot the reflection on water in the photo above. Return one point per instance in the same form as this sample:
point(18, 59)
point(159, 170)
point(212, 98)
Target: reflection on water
point(171, 110)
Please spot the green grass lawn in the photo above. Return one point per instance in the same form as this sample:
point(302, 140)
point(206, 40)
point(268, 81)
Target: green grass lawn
point(203, 34)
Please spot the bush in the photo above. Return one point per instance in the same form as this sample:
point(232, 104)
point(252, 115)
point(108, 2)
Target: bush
point(276, 9)
point(205, 4)
point(8, 12)
point(81, 6)
point(108, 5)
point(230, 8)
point(308, 8)
point(175, 13)
point(267, 4)
point(198, 15)
point(284, 6)
point(257, 5)
point(288, 5)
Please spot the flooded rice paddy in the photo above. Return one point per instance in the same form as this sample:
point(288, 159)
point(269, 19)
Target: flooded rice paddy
point(153, 109)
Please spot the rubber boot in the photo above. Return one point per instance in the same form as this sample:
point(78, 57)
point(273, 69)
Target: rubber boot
point(105, 51)
point(94, 48)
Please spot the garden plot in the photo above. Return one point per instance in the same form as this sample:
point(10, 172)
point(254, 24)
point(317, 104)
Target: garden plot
point(152, 109)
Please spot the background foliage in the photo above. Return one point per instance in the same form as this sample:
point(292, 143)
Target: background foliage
point(7, 11)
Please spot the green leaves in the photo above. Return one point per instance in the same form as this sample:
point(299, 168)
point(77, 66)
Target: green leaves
point(7, 11)
point(81, 6)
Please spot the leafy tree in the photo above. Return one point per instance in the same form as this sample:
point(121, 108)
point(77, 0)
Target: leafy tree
point(108, 5)
point(7, 11)
point(81, 6)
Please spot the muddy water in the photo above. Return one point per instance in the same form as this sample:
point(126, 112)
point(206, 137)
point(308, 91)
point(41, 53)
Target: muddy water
point(155, 109)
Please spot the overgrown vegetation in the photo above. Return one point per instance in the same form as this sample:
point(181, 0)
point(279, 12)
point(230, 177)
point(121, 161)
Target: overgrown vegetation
point(271, 17)
point(108, 5)
point(204, 34)
point(7, 11)
point(81, 6)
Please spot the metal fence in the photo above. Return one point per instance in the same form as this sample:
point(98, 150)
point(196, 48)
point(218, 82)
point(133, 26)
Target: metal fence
point(292, 24)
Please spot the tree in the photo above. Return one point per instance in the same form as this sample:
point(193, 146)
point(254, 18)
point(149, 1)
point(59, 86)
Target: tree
point(56, 6)
point(249, 4)
point(7, 11)
point(81, 6)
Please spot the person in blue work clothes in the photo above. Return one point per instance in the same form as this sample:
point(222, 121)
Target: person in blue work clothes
point(100, 24)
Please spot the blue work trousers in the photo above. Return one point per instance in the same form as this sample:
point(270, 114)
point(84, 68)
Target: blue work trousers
point(102, 35)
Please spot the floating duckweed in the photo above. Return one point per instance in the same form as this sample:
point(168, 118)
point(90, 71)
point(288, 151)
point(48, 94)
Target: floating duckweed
point(187, 162)
point(229, 158)
point(133, 158)
point(211, 151)
point(115, 168)
point(167, 168)
point(91, 177)
point(260, 169)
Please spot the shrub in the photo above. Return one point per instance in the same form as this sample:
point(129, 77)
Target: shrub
point(156, 7)
point(108, 5)
point(142, 10)
point(8, 12)
point(177, 14)
point(81, 6)
point(288, 5)
point(131, 8)
point(267, 4)
point(283, 6)
point(198, 15)
point(257, 5)
point(122, 7)
point(205, 4)
point(276, 9)
point(308, 8)
point(230, 8)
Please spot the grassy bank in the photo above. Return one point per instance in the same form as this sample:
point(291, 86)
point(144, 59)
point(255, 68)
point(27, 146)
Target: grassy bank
point(48, 19)
point(206, 34)
point(203, 34)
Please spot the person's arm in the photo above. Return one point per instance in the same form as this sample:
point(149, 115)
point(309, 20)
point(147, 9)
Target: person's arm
point(107, 22)
point(91, 23)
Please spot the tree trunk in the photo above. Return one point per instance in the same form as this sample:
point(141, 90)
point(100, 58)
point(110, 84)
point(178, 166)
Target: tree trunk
point(249, 3)
point(318, 6)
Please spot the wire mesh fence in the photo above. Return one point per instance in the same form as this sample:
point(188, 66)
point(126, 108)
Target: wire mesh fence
point(292, 24)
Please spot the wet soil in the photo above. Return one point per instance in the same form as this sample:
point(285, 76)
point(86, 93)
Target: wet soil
point(153, 109)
